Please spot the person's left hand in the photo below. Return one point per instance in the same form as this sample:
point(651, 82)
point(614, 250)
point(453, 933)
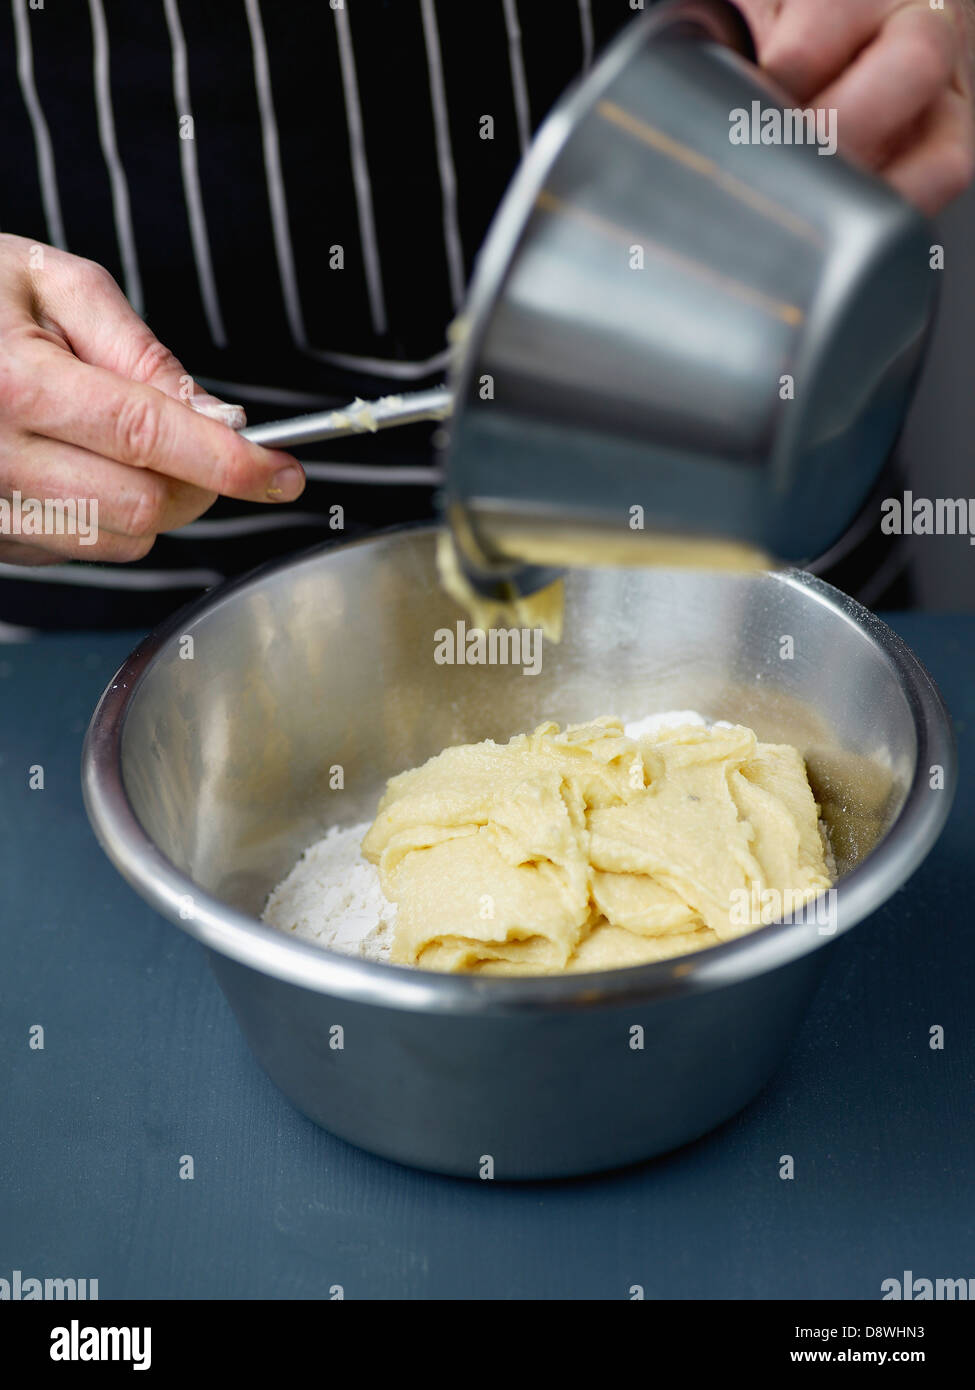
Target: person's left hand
point(897, 72)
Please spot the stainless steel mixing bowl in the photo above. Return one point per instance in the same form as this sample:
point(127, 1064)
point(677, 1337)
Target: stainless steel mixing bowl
point(207, 771)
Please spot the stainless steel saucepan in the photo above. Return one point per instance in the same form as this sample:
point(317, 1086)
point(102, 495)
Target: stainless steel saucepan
point(723, 335)
point(668, 327)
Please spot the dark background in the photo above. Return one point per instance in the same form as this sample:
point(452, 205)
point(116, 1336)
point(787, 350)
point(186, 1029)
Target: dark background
point(938, 444)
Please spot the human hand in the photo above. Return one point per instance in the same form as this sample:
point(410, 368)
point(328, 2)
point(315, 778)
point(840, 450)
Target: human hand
point(898, 74)
point(93, 406)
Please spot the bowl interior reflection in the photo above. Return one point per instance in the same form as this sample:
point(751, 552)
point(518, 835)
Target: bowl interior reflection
point(310, 685)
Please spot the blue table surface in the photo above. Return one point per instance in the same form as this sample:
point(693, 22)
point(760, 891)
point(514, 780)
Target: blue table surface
point(143, 1063)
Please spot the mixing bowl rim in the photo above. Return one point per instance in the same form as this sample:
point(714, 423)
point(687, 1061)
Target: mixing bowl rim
point(238, 935)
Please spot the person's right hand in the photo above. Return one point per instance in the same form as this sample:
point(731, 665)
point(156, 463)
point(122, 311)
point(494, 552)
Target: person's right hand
point(93, 406)
point(898, 73)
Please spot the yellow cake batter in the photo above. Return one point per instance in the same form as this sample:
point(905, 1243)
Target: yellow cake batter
point(586, 849)
point(545, 608)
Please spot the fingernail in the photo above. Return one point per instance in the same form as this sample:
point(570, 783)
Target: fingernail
point(233, 415)
point(286, 484)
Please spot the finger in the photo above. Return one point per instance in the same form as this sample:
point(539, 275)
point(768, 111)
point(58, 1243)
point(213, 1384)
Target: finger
point(87, 304)
point(75, 533)
point(60, 397)
point(15, 552)
point(940, 162)
point(83, 305)
point(128, 502)
point(107, 549)
point(804, 52)
point(891, 84)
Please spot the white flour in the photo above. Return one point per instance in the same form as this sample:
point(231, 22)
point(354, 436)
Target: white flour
point(332, 895)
